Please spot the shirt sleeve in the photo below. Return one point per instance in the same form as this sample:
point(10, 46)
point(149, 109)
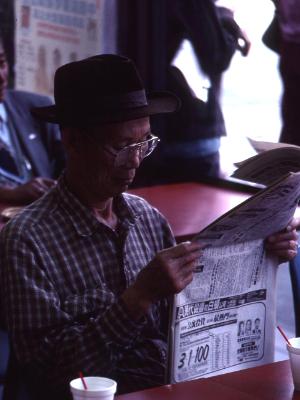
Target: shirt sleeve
point(42, 330)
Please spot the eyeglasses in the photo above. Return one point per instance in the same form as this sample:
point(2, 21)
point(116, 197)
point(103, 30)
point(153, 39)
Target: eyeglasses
point(143, 149)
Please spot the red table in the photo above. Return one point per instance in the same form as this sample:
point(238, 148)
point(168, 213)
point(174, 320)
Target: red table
point(190, 207)
point(268, 382)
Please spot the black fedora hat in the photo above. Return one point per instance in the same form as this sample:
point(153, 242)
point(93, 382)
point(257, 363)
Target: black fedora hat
point(102, 89)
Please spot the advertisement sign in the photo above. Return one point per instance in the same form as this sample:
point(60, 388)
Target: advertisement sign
point(50, 33)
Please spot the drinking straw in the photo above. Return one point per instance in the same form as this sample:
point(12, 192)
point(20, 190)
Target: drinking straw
point(82, 380)
point(284, 335)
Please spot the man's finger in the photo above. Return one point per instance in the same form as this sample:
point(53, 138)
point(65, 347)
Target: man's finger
point(288, 245)
point(291, 235)
point(183, 249)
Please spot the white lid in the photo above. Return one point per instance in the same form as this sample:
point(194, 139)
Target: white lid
point(95, 384)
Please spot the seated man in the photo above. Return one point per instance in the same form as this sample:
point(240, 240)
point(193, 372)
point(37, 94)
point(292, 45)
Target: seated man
point(31, 154)
point(86, 270)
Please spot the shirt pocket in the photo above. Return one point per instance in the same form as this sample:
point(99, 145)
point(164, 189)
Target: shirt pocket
point(91, 301)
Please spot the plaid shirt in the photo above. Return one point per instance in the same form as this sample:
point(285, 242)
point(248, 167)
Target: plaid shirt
point(62, 275)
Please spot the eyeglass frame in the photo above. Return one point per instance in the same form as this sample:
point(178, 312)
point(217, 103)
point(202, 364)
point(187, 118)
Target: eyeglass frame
point(132, 148)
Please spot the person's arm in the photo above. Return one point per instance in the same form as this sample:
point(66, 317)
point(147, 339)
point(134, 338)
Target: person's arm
point(231, 27)
point(213, 43)
point(27, 192)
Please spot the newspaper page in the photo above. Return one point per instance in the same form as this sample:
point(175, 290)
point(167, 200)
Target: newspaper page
point(266, 167)
point(225, 319)
point(261, 146)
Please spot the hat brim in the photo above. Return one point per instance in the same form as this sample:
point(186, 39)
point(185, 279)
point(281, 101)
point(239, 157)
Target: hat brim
point(158, 103)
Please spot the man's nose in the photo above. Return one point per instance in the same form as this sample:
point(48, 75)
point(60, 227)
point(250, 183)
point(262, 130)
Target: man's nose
point(134, 159)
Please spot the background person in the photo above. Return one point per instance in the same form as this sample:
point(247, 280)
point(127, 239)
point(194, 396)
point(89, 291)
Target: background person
point(288, 12)
point(192, 136)
point(93, 266)
point(31, 154)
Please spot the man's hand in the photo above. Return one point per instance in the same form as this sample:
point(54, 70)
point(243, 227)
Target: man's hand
point(244, 43)
point(284, 244)
point(168, 273)
point(27, 192)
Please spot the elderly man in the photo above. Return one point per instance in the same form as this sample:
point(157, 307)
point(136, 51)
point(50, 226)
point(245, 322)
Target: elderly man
point(31, 155)
point(87, 269)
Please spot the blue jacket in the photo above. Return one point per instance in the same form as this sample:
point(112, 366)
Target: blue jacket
point(40, 141)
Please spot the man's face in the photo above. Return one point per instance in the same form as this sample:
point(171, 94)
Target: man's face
point(96, 156)
point(3, 72)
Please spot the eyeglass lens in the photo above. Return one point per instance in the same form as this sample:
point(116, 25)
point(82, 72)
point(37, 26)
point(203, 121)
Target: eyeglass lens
point(143, 149)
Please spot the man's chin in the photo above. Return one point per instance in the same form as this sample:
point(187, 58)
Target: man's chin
point(120, 185)
point(125, 185)
point(124, 181)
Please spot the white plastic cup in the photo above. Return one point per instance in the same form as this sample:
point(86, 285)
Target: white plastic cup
point(98, 388)
point(294, 355)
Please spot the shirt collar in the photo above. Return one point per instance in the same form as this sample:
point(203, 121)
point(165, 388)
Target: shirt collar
point(82, 217)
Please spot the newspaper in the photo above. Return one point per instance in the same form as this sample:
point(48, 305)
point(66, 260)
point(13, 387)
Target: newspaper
point(262, 146)
point(225, 319)
point(273, 161)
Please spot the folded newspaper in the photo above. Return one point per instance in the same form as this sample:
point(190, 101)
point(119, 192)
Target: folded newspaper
point(272, 161)
point(225, 319)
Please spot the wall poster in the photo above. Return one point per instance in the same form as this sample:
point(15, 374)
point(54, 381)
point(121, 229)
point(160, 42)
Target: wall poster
point(50, 33)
